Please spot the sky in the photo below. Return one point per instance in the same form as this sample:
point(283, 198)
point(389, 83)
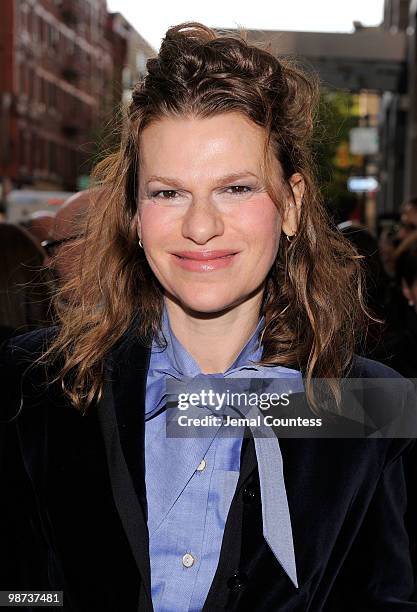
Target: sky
point(152, 19)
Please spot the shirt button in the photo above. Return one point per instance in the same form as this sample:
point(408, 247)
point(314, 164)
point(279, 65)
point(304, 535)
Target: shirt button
point(201, 466)
point(188, 560)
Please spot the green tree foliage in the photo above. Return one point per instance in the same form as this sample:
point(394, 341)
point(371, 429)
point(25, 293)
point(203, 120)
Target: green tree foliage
point(338, 112)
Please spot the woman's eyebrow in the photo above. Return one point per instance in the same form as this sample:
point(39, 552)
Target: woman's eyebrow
point(236, 176)
point(228, 178)
point(165, 179)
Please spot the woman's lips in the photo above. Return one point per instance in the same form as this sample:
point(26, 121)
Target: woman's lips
point(204, 261)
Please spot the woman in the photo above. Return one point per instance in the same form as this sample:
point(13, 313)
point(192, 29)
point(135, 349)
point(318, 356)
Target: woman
point(210, 254)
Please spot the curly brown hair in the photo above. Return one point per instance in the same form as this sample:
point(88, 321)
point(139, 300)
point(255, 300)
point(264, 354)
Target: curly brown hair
point(312, 301)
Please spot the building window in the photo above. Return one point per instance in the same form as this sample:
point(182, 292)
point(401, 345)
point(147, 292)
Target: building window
point(140, 62)
point(70, 46)
point(36, 29)
point(42, 87)
point(35, 86)
point(55, 38)
point(59, 101)
point(31, 77)
point(42, 30)
point(31, 145)
point(52, 101)
point(22, 78)
point(22, 148)
point(42, 154)
point(87, 65)
point(30, 20)
point(37, 153)
point(49, 35)
point(52, 160)
point(23, 17)
point(87, 17)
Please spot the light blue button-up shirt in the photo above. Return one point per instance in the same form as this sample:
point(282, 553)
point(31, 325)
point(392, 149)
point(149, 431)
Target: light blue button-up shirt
point(190, 483)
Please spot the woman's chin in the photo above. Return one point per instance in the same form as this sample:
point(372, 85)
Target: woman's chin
point(212, 300)
point(207, 306)
point(205, 303)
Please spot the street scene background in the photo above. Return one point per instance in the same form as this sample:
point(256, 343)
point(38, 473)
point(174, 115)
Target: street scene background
point(67, 72)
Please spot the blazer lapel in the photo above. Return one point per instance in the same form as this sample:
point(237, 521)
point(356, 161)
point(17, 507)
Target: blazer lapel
point(121, 416)
point(127, 369)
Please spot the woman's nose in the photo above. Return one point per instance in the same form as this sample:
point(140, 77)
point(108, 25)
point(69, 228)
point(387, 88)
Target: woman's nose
point(202, 221)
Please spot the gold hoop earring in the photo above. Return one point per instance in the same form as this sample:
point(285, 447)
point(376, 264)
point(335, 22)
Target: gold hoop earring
point(140, 243)
point(290, 238)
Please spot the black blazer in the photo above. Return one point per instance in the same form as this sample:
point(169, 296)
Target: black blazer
point(73, 510)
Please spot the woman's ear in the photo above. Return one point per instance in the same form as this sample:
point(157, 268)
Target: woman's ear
point(292, 206)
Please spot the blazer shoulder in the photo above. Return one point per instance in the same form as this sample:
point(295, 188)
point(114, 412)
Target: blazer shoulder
point(392, 394)
point(26, 348)
point(394, 389)
point(362, 367)
point(17, 356)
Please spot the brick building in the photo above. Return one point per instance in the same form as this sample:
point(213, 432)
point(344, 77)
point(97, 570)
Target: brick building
point(56, 65)
point(130, 54)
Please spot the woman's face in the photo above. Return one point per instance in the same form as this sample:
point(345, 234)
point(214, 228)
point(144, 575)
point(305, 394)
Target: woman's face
point(209, 229)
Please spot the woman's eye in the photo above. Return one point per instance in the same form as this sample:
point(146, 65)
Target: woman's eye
point(164, 194)
point(239, 189)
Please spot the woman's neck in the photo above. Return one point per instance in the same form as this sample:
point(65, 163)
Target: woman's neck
point(214, 341)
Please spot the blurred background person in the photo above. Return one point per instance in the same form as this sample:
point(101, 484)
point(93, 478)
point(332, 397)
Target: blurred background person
point(39, 224)
point(367, 246)
point(388, 242)
point(408, 219)
point(63, 247)
point(376, 282)
point(24, 287)
point(400, 343)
